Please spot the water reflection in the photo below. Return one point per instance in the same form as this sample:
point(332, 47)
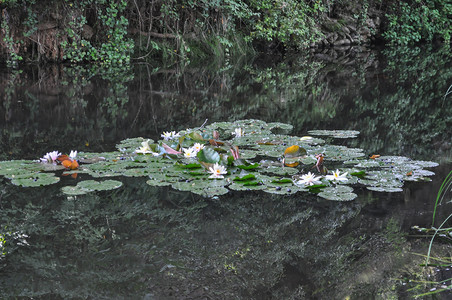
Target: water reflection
point(146, 242)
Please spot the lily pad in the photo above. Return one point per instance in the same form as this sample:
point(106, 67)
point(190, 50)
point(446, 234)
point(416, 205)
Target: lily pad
point(384, 189)
point(282, 190)
point(155, 182)
point(208, 155)
point(277, 127)
point(338, 193)
point(283, 171)
point(342, 134)
point(256, 186)
point(74, 190)
point(104, 185)
point(281, 158)
point(34, 179)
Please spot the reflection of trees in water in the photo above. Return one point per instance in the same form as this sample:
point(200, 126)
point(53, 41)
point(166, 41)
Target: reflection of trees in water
point(145, 240)
point(335, 90)
point(405, 110)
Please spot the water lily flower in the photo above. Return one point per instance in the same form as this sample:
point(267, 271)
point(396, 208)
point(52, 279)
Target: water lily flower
point(170, 135)
point(217, 171)
point(189, 152)
point(309, 179)
point(73, 154)
point(337, 176)
point(175, 135)
point(50, 157)
point(198, 147)
point(238, 132)
point(167, 135)
point(145, 149)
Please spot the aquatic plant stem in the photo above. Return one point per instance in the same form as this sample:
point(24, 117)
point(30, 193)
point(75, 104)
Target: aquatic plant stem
point(433, 237)
point(444, 186)
point(439, 197)
point(449, 91)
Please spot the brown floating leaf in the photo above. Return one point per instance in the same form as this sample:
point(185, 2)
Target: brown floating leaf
point(215, 143)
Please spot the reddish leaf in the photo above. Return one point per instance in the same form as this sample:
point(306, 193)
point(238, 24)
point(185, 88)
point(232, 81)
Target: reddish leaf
point(292, 165)
point(70, 164)
point(235, 152)
point(215, 143)
point(170, 150)
point(62, 158)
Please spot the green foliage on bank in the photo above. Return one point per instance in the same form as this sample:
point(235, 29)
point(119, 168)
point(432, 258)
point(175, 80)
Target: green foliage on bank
point(413, 21)
point(112, 32)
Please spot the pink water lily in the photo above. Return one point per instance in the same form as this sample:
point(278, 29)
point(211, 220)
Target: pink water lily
point(50, 157)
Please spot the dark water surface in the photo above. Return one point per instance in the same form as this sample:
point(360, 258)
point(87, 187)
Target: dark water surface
point(143, 242)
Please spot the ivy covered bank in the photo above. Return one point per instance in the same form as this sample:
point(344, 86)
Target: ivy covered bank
point(116, 31)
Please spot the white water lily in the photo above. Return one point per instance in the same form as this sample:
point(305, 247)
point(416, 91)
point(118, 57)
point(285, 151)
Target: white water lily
point(238, 132)
point(198, 147)
point(175, 135)
point(50, 157)
point(337, 176)
point(73, 154)
point(167, 135)
point(217, 171)
point(189, 152)
point(309, 179)
point(146, 149)
point(170, 135)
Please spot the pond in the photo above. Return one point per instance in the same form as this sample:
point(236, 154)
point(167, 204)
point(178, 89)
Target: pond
point(148, 242)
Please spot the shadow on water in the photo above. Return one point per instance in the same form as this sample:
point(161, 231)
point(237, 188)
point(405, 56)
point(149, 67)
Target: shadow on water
point(157, 243)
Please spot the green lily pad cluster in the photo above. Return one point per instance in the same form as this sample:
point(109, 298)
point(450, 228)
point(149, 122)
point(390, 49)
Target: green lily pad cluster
point(245, 155)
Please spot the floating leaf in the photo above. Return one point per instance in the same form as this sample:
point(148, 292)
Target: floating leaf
point(196, 136)
point(338, 193)
point(74, 190)
point(248, 166)
point(277, 127)
point(284, 171)
point(252, 183)
point(283, 181)
point(282, 190)
point(384, 189)
point(189, 166)
point(34, 179)
point(211, 191)
point(170, 150)
point(252, 186)
point(245, 178)
point(425, 164)
point(208, 155)
point(100, 185)
point(335, 133)
point(154, 182)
